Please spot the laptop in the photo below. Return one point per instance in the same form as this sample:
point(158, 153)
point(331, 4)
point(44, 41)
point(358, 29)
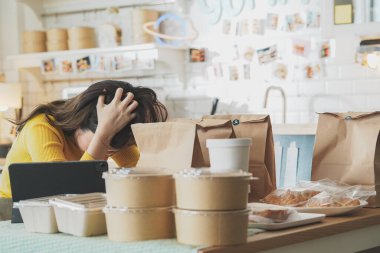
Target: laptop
point(34, 180)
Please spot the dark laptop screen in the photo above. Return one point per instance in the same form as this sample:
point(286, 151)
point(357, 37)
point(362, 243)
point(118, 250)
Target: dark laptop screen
point(33, 180)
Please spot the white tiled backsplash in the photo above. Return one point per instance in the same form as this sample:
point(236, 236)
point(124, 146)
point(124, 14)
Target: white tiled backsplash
point(345, 86)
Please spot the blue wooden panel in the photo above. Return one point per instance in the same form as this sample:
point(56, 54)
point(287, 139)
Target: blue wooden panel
point(305, 144)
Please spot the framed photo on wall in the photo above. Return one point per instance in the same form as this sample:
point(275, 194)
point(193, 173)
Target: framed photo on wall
point(343, 14)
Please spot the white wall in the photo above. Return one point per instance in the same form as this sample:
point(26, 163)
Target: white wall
point(344, 86)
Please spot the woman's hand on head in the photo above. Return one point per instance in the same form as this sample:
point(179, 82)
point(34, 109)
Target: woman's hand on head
point(114, 116)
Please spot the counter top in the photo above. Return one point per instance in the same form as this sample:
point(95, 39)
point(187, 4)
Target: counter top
point(351, 233)
point(367, 217)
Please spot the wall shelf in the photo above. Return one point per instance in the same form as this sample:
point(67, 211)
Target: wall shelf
point(168, 61)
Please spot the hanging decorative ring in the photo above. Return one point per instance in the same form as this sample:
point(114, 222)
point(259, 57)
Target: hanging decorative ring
point(174, 39)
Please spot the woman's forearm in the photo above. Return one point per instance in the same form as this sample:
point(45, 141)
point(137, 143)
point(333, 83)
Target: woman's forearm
point(98, 146)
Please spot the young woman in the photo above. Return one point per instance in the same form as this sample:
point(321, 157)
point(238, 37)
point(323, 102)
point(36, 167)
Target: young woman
point(93, 125)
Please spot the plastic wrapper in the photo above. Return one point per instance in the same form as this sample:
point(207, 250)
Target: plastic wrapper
point(267, 213)
point(290, 197)
point(322, 193)
point(325, 199)
point(332, 188)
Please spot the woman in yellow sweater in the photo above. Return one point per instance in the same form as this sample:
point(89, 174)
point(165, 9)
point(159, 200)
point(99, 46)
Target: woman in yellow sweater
point(93, 125)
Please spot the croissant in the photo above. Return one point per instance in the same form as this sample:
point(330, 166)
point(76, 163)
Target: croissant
point(279, 215)
point(331, 202)
point(289, 197)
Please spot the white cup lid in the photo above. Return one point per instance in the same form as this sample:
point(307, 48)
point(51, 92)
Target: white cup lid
point(228, 142)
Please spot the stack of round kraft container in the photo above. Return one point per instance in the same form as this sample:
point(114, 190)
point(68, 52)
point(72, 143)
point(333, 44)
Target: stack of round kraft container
point(81, 37)
point(212, 203)
point(139, 205)
point(34, 41)
point(211, 208)
point(57, 39)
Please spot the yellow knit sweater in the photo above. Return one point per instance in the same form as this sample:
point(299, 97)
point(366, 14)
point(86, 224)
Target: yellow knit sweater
point(39, 141)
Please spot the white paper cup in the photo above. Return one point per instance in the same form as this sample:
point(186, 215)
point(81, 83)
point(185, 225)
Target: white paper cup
point(227, 155)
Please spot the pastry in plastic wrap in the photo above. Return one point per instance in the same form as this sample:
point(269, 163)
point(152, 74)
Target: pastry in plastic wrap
point(330, 201)
point(289, 197)
point(267, 213)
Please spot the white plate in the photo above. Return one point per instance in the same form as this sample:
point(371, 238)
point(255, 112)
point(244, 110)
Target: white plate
point(304, 218)
point(331, 211)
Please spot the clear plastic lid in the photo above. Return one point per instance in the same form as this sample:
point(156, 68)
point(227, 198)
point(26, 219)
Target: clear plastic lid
point(136, 173)
point(43, 201)
point(206, 173)
point(235, 142)
point(85, 202)
point(211, 213)
point(108, 209)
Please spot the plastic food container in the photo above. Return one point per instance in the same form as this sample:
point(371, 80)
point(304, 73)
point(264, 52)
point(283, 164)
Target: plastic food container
point(202, 190)
point(228, 155)
point(81, 215)
point(38, 215)
point(138, 224)
point(139, 188)
point(216, 228)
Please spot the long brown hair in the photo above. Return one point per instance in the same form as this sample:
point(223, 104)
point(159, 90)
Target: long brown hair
point(80, 112)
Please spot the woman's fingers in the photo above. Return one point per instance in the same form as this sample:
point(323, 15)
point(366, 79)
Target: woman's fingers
point(127, 100)
point(118, 94)
point(132, 106)
point(132, 116)
point(100, 101)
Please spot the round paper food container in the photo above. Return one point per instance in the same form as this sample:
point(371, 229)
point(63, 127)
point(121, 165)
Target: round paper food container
point(81, 33)
point(214, 228)
point(34, 36)
point(56, 35)
point(81, 43)
point(138, 224)
point(226, 191)
point(229, 154)
point(56, 46)
point(139, 189)
point(34, 47)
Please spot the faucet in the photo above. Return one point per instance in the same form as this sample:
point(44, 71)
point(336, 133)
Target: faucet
point(283, 99)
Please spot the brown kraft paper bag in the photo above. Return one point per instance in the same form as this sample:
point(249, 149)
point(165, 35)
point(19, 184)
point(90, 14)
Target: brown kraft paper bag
point(347, 149)
point(261, 161)
point(178, 145)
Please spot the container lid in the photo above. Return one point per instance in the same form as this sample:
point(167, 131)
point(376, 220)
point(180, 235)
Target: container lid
point(108, 209)
point(44, 201)
point(236, 142)
point(85, 202)
point(135, 173)
point(206, 173)
point(81, 28)
point(211, 213)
